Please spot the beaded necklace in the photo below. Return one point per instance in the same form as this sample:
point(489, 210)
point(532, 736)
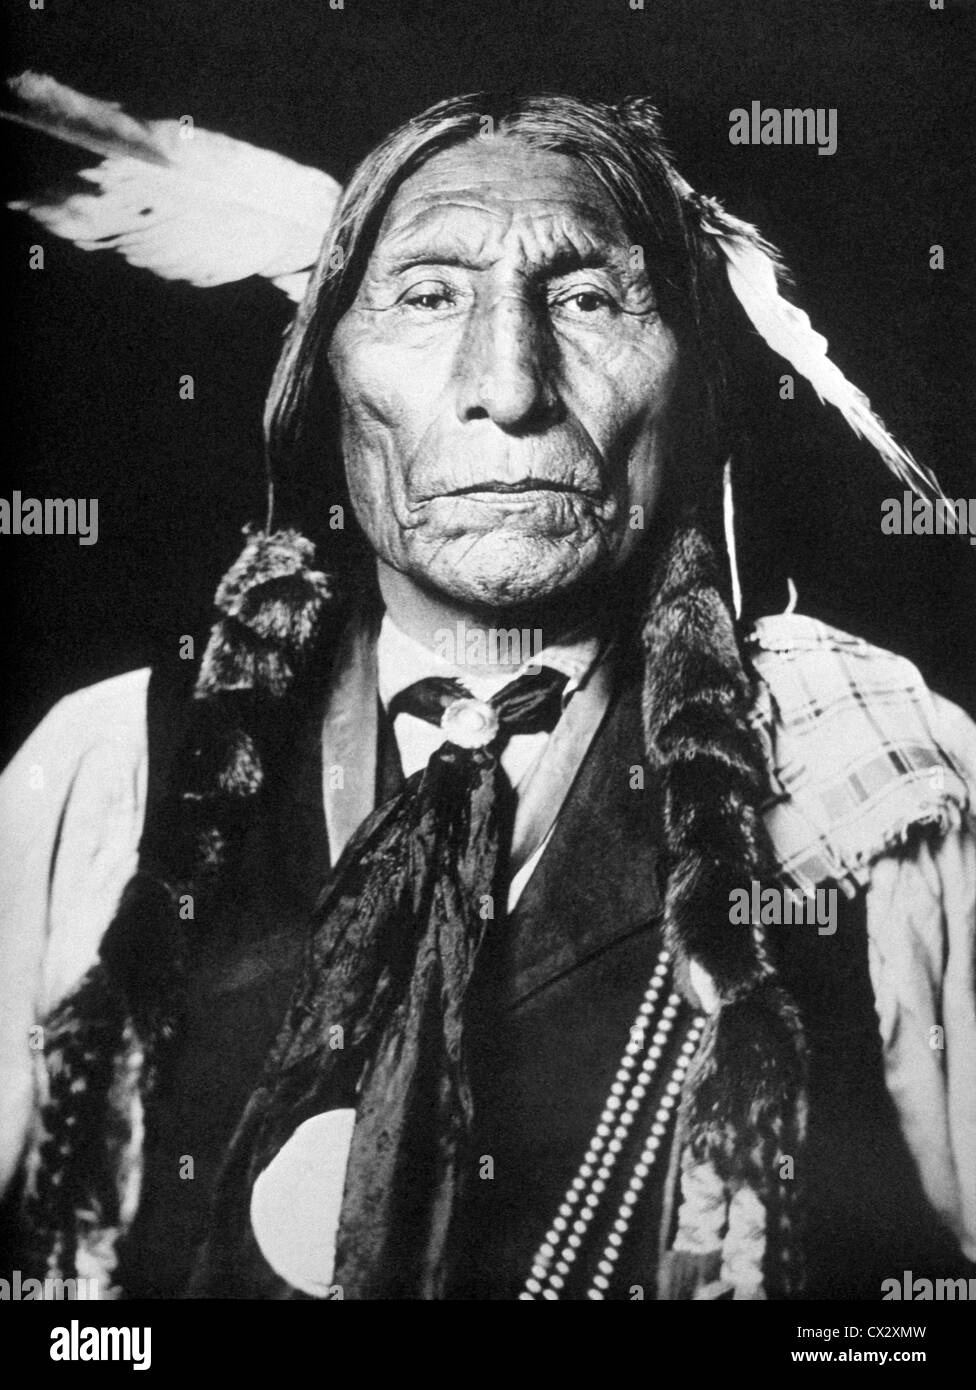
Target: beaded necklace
point(563, 1241)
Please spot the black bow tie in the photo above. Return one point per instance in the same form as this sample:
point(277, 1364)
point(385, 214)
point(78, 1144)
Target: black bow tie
point(530, 704)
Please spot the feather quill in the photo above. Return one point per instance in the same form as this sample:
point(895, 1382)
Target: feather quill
point(184, 203)
point(754, 272)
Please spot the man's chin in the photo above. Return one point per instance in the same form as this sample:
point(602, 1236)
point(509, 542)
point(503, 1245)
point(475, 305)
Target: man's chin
point(513, 571)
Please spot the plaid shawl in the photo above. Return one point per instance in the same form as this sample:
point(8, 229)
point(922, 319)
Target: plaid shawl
point(854, 760)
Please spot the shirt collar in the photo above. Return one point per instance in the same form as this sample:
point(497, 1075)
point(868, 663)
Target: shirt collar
point(402, 660)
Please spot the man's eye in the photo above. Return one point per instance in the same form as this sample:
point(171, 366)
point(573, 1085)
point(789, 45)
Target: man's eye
point(429, 298)
point(582, 303)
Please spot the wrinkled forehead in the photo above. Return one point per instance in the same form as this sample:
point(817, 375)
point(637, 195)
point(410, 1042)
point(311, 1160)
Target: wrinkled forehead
point(494, 197)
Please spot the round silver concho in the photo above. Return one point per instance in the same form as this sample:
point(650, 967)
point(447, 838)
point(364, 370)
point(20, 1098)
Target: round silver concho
point(470, 723)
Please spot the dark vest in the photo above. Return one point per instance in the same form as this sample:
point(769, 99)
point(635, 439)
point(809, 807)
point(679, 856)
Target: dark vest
point(558, 989)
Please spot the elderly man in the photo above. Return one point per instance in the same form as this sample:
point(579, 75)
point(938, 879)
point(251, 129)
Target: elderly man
point(396, 964)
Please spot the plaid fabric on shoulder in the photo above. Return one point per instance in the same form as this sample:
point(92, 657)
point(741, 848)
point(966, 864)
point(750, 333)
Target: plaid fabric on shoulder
point(851, 740)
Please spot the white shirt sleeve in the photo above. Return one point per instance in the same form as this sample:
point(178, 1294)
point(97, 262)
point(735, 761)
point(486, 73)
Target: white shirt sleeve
point(71, 809)
point(921, 917)
point(921, 914)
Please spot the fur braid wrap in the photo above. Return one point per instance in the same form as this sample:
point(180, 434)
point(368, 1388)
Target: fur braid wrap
point(744, 1106)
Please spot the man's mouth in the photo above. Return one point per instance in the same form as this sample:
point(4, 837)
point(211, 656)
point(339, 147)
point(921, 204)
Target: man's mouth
point(524, 487)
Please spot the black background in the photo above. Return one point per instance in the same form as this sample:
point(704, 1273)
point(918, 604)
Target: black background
point(96, 348)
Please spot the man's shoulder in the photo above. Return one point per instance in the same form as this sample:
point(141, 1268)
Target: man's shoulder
point(112, 710)
point(814, 672)
point(861, 753)
point(798, 637)
point(100, 729)
point(121, 696)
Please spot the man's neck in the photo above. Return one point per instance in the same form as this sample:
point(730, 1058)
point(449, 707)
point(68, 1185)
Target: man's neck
point(498, 640)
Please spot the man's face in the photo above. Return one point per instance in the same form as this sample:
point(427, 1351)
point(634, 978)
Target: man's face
point(504, 378)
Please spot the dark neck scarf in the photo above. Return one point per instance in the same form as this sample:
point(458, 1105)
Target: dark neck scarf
point(396, 937)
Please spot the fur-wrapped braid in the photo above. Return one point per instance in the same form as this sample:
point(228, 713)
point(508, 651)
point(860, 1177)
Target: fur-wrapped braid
point(744, 1107)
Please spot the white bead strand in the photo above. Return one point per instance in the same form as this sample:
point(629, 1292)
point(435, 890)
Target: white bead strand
point(562, 1241)
point(547, 1252)
point(642, 1168)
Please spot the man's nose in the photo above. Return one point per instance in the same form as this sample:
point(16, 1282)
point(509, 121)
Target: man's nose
point(505, 367)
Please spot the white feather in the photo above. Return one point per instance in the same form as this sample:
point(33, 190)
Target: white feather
point(184, 203)
point(754, 273)
point(788, 331)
